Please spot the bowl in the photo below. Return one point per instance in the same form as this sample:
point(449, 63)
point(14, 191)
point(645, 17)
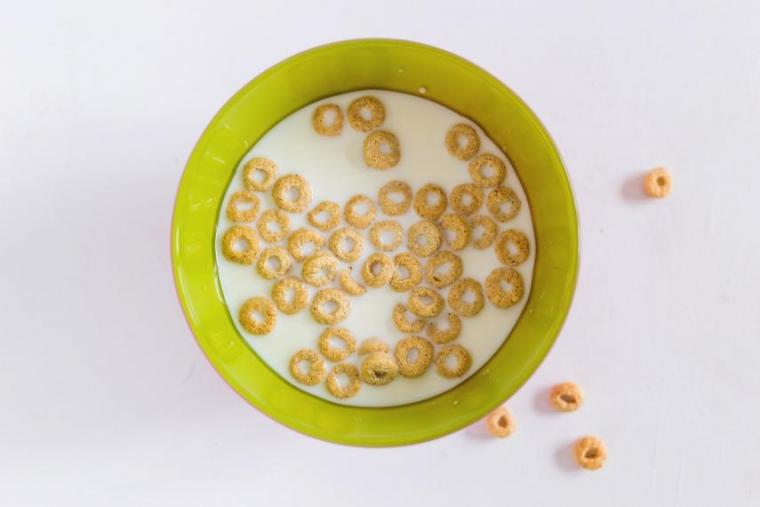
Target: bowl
point(400, 66)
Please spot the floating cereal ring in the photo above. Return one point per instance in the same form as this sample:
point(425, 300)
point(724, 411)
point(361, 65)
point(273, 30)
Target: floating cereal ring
point(381, 150)
point(403, 324)
point(287, 184)
point(460, 354)
point(377, 270)
point(349, 285)
point(331, 211)
point(333, 297)
point(471, 145)
point(319, 269)
point(332, 352)
point(321, 123)
point(352, 236)
point(413, 367)
point(423, 238)
point(489, 227)
point(445, 335)
point(458, 293)
point(301, 238)
point(422, 201)
point(240, 244)
point(590, 453)
point(566, 397)
point(658, 183)
point(407, 272)
point(500, 423)
point(439, 279)
point(243, 206)
point(487, 170)
point(378, 369)
point(316, 371)
point(352, 386)
point(273, 217)
point(372, 345)
point(263, 166)
point(393, 207)
point(500, 196)
point(375, 113)
point(466, 198)
point(512, 247)
point(497, 295)
point(277, 254)
point(353, 217)
point(263, 307)
point(460, 231)
point(425, 302)
point(281, 291)
point(389, 226)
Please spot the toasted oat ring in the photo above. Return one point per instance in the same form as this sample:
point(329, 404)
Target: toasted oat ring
point(334, 386)
point(412, 368)
point(520, 247)
point(381, 150)
point(457, 297)
point(329, 208)
point(402, 323)
point(245, 198)
point(566, 397)
point(489, 231)
point(658, 183)
point(497, 295)
point(377, 270)
point(484, 161)
point(278, 218)
point(463, 361)
point(319, 269)
point(319, 122)
point(388, 205)
point(423, 238)
point(424, 207)
point(376, 235)
point(409, 263)
point(262, 306)
point(282, 188)
point(590, 453)
point(435, 277)
point(334, 296)
point(445, 335)
point(338, 248)
point(371, 105)
point(466, 198)
point(301, 238)
point(425, 302)
point(359, 220)
point(263, 166)
point(454, 145)
point(499, 196)
point(378, 369)
point(280, 292)
point(460, 229)
point(372, 345)
point(231, 241)
point(332, 352)
point(500, 423)
point(280, 256)
point(316, 371)
point(349, 285)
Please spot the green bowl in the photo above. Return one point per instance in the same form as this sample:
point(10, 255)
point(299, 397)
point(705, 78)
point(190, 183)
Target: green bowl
point(403, 67)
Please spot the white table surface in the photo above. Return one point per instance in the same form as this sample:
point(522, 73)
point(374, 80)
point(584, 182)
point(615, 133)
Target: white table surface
point(105, 399)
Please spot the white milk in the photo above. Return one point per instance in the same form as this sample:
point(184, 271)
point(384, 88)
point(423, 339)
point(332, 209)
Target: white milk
point(335, 168)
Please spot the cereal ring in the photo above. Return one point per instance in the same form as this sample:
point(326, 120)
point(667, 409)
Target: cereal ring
point(319, 269)
point(302, 237)
point(381, 243)
point(433, 273)
point(352, 386)
point(263, 307)
point(290, 295)
point(590, 453)
point(243, 206)
point(381, 150)
point(497, 198)
point(566, 397)
point(459, 229)
point(489, 227)
point(425, 302)
point(240, 244)
point(487, 170)
point(377, 270)
point(354, 217)
point(366, 113)
point(461, 356)
point(407, 272)
point(430, 201)
point(353, 238)
point(283, 189)
point(394, 207)
point(458, 297)
point(462, 150)
point(445, 335)
point(498, 296)
point(414, 356)
point(259, 166)
point(349, 285)
point(658, 183)
point(342, 335)
point(277, 218)
point(372, 345)
point(338, 306)
point(378, 369)
point(280, 258)
point(512, 247)
point(500, 423)
point(316, 371)
point(331, 212)
point(327, 120)
point(423, 238)
point(466, 198)
point(404, 325)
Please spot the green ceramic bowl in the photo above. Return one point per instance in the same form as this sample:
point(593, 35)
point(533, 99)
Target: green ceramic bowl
point(403, 67)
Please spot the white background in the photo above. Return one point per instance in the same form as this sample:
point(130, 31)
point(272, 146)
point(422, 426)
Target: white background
point(106, 400)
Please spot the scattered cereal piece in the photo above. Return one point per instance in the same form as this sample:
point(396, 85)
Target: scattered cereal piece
point(462, 361)
point(445, 335)
point(402, 323)
point(566, 397)
point(459, 229)
point(259, 174)
point(330, 306)
point(274, 255)
point(407, 272)
point(414, 356)
point(319, 269)
point(316, 367)
point(330, 210)
point(292, 193)
point(339, 240)
point(423, 238)
point(497, 198)
point(252, 323)
point(366, 113)
point(590, 453)
point(466, 198)
point(483, 231)
point(452, 265)
point(500, 423)
point(430, 201)
point(328, 348)
point(243, 206)
point(281, 292)
point(425, 302)
point(391, 206)
point(378, 369)
point(352, 382)
point(349, 285)
point(354, 214)
point(377, 270)
point(381, 150)
point(302, 237)
point(240, 244)
point(504, 297)
point(512, 247)
point(487, 170)
point(466, 297)
point(277, 218)
point(378, 230)
point(462, 141)
point(327, 120)
point(658, 183)
point(372, 345)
